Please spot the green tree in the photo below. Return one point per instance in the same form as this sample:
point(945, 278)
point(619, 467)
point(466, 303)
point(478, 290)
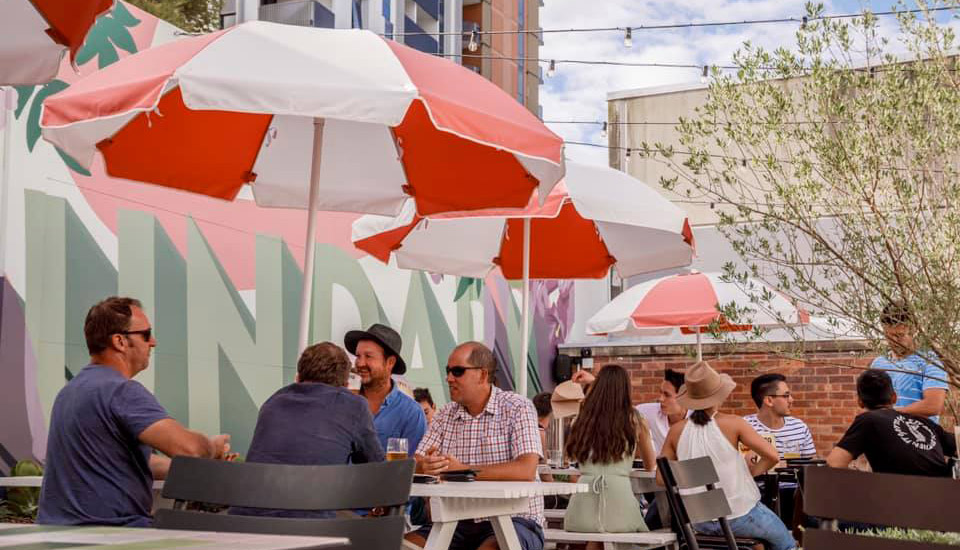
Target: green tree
point(833, 167)
point(193, 16)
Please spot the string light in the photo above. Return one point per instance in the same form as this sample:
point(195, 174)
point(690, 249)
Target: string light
point(691, 25)
point(603, 131)
point(552, 69)
point(474, 44)
point(628, 38)
point(705, 74)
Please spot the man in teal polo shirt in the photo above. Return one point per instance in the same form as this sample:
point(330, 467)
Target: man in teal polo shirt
point(918, 377)
point(395, 414)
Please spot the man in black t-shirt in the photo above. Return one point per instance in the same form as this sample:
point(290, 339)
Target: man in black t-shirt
point(894, 442)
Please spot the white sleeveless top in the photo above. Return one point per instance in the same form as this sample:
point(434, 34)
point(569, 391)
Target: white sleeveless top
point(735, 479)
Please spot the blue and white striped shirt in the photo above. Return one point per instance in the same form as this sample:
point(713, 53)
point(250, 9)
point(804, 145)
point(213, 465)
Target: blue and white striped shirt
point(922, 372)
point(794, 436)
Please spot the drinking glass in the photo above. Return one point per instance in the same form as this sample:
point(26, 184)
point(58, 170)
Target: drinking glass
point(792, 450)
point(397, 448)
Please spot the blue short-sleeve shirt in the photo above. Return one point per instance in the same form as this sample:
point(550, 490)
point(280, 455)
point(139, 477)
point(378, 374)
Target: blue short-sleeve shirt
point(97, 471)
point(400, 416)
point(921, 371)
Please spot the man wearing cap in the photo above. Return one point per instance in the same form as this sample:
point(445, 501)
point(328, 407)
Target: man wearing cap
point(395, 414)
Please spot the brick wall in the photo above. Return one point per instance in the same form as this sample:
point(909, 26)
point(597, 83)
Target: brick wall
point(823, 385)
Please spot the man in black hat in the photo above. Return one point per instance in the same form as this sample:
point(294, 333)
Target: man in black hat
point(395, 414)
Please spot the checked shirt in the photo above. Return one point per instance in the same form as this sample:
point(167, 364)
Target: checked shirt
point(506, 429)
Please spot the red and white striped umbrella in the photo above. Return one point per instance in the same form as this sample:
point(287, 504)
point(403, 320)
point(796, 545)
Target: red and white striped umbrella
point(596, 219)
point(692, 302)
point(34, 35)
point(321, 119)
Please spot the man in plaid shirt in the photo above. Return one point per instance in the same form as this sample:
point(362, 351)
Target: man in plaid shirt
point(488, 430)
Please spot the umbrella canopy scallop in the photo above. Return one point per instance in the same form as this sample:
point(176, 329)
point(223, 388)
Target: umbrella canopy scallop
point(693, 300)
point(596, 219)
point(211, 113)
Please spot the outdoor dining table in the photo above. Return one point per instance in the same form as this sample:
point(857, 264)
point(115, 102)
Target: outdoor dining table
point(450, 502)
point(34, 537)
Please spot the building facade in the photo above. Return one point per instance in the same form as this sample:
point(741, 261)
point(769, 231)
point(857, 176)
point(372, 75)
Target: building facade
point(438, 27)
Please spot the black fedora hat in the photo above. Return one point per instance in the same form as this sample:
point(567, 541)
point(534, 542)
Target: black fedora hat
point(388, 339)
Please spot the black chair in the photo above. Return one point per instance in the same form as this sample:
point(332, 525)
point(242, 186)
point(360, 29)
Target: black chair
point(909, 502)
point(708, 505)
point(384, 485)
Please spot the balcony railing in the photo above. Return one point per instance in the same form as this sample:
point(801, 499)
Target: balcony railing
point(304, 13)
point(423, 42)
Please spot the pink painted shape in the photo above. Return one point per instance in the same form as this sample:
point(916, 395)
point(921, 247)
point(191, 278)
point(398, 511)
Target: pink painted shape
point(229, 227)
point(681, 300)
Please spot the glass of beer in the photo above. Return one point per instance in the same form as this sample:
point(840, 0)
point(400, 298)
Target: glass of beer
point(397, 448)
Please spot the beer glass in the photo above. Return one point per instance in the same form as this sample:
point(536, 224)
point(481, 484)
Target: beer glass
point(397, 448)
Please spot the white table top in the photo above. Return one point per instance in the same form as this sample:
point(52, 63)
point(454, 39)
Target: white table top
point(21, 481)
point(130, 538)
point(544, 469)
point(495, 489)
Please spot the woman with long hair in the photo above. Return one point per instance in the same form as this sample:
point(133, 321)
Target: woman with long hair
point(716, 435)
point(606, 436)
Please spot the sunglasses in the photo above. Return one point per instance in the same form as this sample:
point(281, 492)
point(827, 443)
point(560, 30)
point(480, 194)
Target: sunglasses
point(146, 333)
point(458, 371)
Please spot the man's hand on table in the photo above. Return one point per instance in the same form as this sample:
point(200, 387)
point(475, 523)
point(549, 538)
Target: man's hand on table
point(434, 463)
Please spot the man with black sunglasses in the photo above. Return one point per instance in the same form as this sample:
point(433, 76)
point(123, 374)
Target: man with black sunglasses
point(104, 427)
point(490, 431)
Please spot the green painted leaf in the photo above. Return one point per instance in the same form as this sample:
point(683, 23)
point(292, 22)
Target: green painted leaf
point(110, 32)
point(72, 163)
point(465, 284)
point(23, 96)
point(123, 16)
point(33, 120)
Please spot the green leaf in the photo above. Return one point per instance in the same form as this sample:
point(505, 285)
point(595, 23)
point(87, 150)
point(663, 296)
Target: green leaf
point(72, 163)
point(23, 96)
point(33, 120)
point(110, 32)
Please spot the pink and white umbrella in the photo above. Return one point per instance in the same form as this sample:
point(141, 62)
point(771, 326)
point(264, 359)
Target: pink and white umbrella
point(692, 302)
point(320, 119)
point(35, 34)
point(596, 219)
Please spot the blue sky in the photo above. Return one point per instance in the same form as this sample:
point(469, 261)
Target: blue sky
point(578, 92)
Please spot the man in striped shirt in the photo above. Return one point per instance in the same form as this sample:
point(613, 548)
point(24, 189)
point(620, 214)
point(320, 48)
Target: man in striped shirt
point(773, 398)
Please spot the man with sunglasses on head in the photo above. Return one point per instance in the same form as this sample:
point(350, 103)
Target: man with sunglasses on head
point(488, 430)
point(105, 426)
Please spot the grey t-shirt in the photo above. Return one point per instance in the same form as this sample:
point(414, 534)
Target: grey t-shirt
point(97, 471)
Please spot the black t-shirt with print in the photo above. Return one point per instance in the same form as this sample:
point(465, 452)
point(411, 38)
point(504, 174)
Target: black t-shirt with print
point(899, 443)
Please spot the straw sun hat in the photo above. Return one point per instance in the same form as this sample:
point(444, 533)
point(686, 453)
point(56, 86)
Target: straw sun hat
point(704, 388)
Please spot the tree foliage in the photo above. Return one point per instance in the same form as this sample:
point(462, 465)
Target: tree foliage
point(834, 168)
point(193, 16)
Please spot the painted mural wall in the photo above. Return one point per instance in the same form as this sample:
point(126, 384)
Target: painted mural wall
point(221, 281)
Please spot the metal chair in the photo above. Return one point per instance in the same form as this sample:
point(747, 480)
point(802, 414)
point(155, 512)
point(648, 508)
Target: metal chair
point(909, 502)
point(384, 485)
point(708, 505)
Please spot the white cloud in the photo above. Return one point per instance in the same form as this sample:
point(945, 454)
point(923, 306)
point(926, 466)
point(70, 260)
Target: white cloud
point(579, 92)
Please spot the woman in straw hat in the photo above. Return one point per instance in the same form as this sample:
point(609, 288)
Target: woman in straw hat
point(604, 440)
point(717, 435)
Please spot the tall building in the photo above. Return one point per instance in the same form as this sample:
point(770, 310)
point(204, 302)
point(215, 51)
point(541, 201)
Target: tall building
point(439, 27)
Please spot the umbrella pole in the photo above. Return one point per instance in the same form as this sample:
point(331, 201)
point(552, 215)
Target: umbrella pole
point(306, 294)
point(525, 314)
point(699, 346)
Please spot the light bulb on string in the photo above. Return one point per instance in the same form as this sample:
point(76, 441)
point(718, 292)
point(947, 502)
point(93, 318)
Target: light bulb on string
point(474, 44)
point(603, 131)
point(705, 75)
point(552, 68)
point(628, 38)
